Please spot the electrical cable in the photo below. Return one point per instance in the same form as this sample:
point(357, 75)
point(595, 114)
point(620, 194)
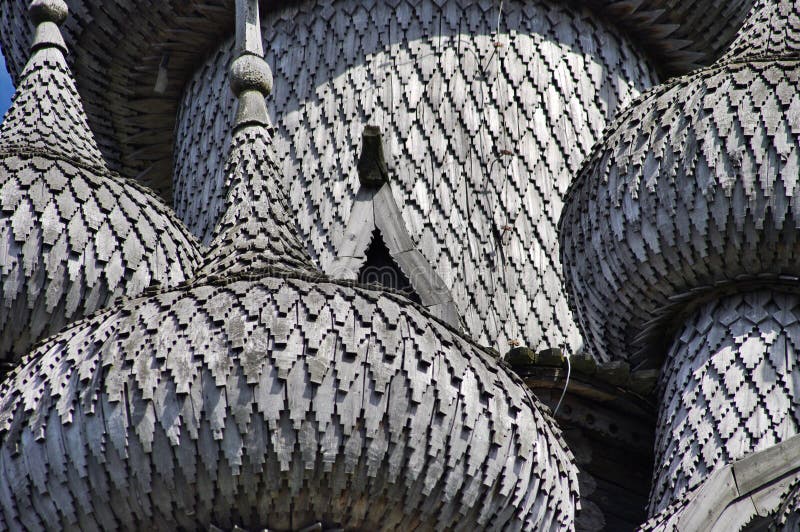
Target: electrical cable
point(566, 385)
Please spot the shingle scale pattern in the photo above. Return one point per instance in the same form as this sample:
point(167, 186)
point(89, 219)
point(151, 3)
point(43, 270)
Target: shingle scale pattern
point(681, 33)
point(730, 387)
point(669, 518)
point(72, 241)
point(787, 517)
point(484, 133)
point(261, 395)
point(683, 226)
point(73, 236)
point(772, 29)
point(257, 229)
point(120, 46)
point(275, 403)
point(694, 186)
point(48, 114)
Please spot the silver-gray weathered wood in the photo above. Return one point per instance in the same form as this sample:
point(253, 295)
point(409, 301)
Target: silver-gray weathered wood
point(484, 133)
point(263, 395)
point(73, 236)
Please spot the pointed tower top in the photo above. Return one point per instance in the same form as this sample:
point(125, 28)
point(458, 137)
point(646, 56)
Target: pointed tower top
point(772, 30)
point(46, 115)
point(257, 229)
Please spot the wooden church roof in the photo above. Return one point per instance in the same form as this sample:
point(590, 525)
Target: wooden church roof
point(124, 50)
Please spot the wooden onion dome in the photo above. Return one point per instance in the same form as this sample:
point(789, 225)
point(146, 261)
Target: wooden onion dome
point(73, 235)
point(681, 241)
point(262, 395)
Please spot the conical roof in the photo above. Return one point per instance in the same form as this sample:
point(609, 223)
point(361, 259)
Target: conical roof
point(73, 236)
point(772, 31)
point(692, 191)
point(256, 231)
point(262, 397)
point(47, 115)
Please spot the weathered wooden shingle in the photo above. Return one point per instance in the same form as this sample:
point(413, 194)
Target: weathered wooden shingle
point(262, 395)
point(788, 516)
point(135, 55)
point(680, 238)
point(483, 134)
point(258, 231)
point(73, 236)
point(693, 187)
point(730, 387)
point(297, 434)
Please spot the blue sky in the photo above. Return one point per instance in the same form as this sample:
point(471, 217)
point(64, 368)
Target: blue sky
point(6, 89)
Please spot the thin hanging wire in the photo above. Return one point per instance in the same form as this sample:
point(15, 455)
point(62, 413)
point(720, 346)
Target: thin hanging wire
point(566, 385)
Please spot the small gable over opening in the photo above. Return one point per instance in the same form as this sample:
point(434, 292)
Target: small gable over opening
point(376, 246)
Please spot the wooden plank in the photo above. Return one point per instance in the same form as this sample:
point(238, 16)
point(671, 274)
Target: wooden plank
point(389, 220)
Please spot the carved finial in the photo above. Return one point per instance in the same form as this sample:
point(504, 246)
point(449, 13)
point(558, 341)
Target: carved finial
point(48, 15)
point(250, 73)
point(251, 78)
point(55, 11)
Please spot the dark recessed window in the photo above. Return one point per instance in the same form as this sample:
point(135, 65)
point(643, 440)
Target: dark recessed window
point(380, 268)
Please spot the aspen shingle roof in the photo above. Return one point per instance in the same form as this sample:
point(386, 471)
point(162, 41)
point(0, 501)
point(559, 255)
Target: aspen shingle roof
point(693, 187)
point(121, 46)
point(73, 236)
point(274, 398)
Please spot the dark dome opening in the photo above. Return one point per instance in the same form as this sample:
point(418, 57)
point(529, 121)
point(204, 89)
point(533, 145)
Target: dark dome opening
point(380, 268)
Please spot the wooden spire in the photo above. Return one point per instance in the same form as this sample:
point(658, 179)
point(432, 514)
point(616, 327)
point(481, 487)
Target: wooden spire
point(772, 30)
point(47, 114)
point(257, 230)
